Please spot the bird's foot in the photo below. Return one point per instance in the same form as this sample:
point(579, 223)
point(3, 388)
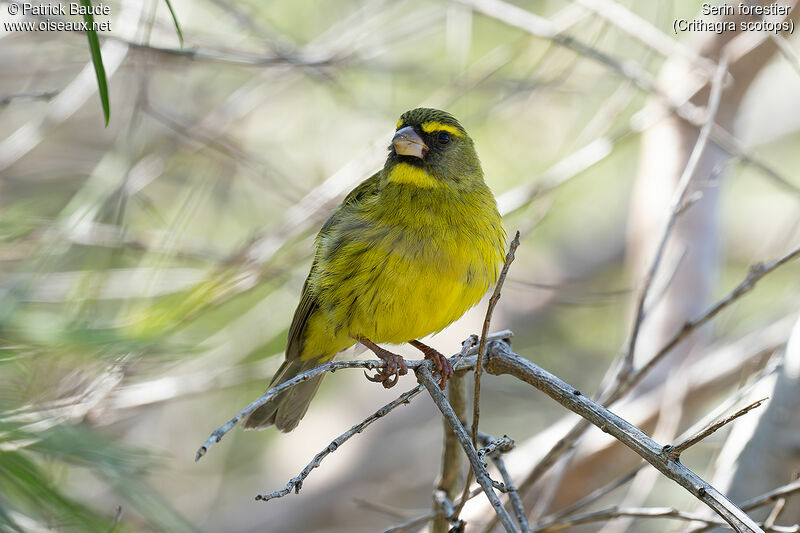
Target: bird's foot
point(442, 364)
point(395, 365)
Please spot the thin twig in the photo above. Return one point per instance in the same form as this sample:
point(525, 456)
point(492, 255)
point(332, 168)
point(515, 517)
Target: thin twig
point(296, 483)
point(598, 493)
point(503, 361)
point(451, 456)
point(423, 373)
point(755, 274)
point(476, 408)
point(414, 522)
point(419, 520)
point(645, 32)
point(774, 513)
point(30, 95)
point(513, 495)
point(518, 17)
point(494, 448)
point(758, 501)
point(443, 502)
point(646, 512)
point(333, 366)
point(675, 451)
point(763, 499)
point(675, 210)
point(595, 495)
point(605, 515)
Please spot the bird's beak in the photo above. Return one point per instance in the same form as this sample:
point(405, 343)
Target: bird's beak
point(408, 142)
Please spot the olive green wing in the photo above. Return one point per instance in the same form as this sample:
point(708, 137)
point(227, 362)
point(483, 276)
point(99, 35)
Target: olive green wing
point(308, 302)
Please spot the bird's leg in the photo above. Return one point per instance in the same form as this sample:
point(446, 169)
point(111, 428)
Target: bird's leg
point(395, 365)
point(443, 366)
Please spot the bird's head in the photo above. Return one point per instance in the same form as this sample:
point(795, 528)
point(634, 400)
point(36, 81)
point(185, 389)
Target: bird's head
point(431, 149)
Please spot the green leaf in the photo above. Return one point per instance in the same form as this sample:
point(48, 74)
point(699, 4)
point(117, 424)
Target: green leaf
point(175, 20)
point(97, 59)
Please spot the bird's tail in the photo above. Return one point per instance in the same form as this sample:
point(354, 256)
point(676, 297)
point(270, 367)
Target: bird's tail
point(286, 409)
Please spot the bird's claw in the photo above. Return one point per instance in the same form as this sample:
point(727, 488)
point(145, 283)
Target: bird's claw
point(440, 362)
point(443, 367)
point(388, 375)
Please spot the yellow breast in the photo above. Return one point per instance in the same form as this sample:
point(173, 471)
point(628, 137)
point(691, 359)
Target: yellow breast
point(395, 276)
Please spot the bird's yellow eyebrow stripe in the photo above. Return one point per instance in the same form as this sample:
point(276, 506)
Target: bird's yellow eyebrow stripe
point(429, 127)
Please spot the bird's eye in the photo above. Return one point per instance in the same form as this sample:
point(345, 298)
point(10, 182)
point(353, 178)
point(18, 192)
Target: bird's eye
point(443, 137)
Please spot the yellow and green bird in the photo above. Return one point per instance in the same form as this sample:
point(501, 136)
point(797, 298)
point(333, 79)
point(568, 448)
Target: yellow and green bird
point(406, 253)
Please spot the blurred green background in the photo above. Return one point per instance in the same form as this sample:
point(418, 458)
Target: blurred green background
point(149, 270)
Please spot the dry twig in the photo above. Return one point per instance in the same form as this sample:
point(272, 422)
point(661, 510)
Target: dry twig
point(675, 210)
point(476, 409)
point(333, 366)
point(296, 483)
point(756, 273)
point(494, 448)
point(645, 512)
point(451, 457)
point(675, 451)
point(503, 361)
point(423, 373)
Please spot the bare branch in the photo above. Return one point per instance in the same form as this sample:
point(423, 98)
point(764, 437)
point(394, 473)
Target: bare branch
point(451, 456)
point(596, 494)
point(758, 501)
point(645, 512)
point(494, 448)
point(675, 451)
point(675, 209)
point(629, 475)
point(604, 515)
point(518, 17)
point(476, 408)
point(756, 273)
point(773, 495)
point(525, 20)
point(776, 511)
point(296, 483)
point(333, 366)
point(30, 95)
point(424, 375)
point(645, 32)
point(503, 361)
point(414, 522)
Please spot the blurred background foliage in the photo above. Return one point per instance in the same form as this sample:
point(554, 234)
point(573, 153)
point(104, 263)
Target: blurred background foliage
point(149, 270)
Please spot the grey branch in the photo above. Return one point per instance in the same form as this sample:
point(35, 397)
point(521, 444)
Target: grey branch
point(476, 405)
point(451, 478)
point(604, 515)
point(756, 273)
point(503, 361)
point(424, 375)
point(221, 431)
point(296, 483)
point(675, 451)
point(518, 17)
point(758, 501)
point(676, 209)
point(494, 448)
